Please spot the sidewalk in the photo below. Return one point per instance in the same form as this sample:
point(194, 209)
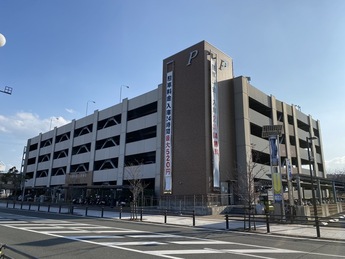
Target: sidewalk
point(216, 222)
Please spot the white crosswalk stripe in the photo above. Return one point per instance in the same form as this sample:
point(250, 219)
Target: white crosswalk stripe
point(120, 238)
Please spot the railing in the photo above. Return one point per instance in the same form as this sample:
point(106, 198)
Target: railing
point(188, 201)
point(250, 221)
point(14, 252)
point(134, 213)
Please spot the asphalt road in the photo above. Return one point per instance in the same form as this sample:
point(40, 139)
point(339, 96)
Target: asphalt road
point(30, 234)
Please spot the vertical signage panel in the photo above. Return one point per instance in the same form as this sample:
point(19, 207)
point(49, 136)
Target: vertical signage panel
point(215, 124)
point(275, 168)
point(168, 134)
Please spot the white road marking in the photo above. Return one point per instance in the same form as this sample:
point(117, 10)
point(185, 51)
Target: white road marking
point(204, 242)
point(184, 252)
point(61, 231)
point(260, 251)
point(147, 243)
point(42, 227)
point(70, 227)
point(153, 236)
point(95, 237)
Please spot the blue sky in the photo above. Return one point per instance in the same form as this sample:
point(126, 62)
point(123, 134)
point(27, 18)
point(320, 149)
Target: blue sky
point(62, 54)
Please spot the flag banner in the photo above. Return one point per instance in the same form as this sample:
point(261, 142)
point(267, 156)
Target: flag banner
point(274, 151)
point(277, 186)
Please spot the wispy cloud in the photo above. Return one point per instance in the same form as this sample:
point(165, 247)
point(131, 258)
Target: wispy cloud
point(25, 124)
point(17, 129)
point(70, 110)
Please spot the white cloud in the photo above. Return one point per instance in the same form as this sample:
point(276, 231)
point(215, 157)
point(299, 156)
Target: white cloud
point(70, 110)
point(26, 125)
point(335, 164)
point(17, 129)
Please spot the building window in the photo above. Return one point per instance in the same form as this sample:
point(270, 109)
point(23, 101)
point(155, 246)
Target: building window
point(44, 158)
point(46, 143)
point(59, 171)
point(280, 116)
point(292, 140)
point(83, 130)
point(106, 164)
point(29, 175)
point(260, 108)
point(142, 111)
point(33, 147)
point(61, 154)
point(31, 161)
point(141, 134)
point(63, 137)
point(143, 158)
point(303, 126)
point(294, 162)
point(259, 157)
point(80, 168)
point(290, 119)
point(108, 142)
point(112, 121)
point(255, 130)
point(41, 174)
point(81, 149)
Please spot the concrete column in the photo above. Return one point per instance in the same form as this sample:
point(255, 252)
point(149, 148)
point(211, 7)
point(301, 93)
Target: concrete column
point(93, 141)
point(51, 157)
point(334, 192)
point(318, 191)
point(70, 148)
point(36, 161)
point(121, 164)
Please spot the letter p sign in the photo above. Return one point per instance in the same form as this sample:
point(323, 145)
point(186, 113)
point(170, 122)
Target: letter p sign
point(192, 55)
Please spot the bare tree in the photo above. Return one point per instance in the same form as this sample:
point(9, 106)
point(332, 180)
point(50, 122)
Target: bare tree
point(246, 188)
point(137, 186)
point(337, 174)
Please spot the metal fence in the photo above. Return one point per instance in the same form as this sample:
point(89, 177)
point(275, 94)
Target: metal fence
point(188, 201)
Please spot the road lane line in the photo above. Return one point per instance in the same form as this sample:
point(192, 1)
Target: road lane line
point(144, 243)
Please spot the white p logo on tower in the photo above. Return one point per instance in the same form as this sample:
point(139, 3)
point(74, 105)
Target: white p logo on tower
point(192, 55)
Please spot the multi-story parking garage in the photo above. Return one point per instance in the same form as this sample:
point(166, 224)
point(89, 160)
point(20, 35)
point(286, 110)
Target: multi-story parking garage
point(188, 137)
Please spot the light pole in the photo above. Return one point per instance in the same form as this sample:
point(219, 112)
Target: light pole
point(87, 105)
point(51, 121)
point(121, 91)
point(309, 140)
point(7, 90)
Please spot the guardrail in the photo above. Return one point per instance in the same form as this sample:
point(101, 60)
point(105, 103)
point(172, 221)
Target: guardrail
point(137, 213)
point(14, 251)
point(250, 221)
point(119, 212)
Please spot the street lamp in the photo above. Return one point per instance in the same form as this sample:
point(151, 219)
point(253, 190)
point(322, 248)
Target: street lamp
point(2, 40)
point(7, 90)
point(51, 122)
point(87, 105)
point(309, 140)
point(121, 91)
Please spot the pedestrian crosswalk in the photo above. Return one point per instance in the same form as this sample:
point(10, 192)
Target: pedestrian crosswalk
point(165, 245)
